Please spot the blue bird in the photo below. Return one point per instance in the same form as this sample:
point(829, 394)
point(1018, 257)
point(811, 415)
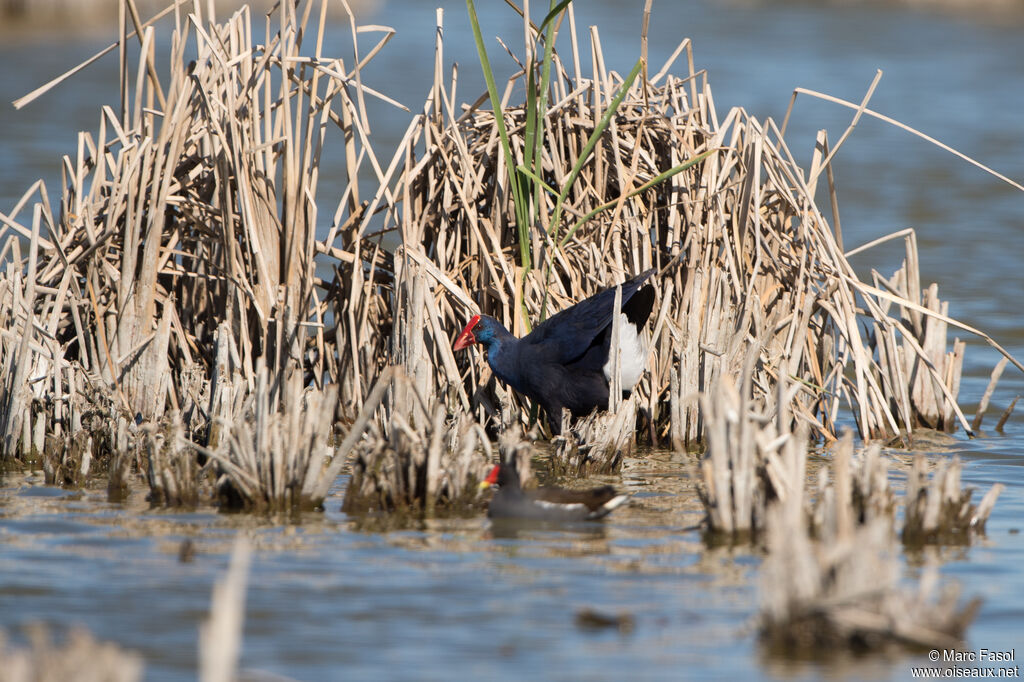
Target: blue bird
point(565, 362)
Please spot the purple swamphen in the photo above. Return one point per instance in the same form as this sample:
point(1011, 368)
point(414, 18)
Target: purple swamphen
point(565, 362)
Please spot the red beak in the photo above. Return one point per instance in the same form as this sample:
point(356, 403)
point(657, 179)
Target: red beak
point(466, 338)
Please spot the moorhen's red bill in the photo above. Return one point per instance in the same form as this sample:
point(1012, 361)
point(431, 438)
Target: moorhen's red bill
point(565, 361)
point(512, 501)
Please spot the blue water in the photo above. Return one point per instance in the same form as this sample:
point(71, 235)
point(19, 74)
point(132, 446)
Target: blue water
point(329, 599)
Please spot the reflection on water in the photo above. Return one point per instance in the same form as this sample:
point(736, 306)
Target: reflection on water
point(449, 590)
point(375, 597)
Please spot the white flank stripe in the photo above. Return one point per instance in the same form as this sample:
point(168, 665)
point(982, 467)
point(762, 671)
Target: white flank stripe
point(561, 506)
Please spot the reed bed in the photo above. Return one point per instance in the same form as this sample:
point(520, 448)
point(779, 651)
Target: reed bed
point(180, 317)
point(756, 257)
point(184, 255)
point(423, 461)
point(831, 576)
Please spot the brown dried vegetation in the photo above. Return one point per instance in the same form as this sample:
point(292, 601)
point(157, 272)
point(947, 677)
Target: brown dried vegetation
point(184, 256)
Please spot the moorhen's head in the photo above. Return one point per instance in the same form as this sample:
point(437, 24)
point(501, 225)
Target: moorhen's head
point(481, 329)
point(503, 475)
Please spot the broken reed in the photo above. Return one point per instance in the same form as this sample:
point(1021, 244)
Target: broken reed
point(81, 657)
point(423, 460)
point(185, 252)
point(755, 460)
point(831, 576)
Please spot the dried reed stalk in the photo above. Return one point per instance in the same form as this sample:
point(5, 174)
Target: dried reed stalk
point(845, 594)
point(939, 511)
point(997, 372)
point(80, 657)
point(597, 443)
point(422, 461)
point(220, 635)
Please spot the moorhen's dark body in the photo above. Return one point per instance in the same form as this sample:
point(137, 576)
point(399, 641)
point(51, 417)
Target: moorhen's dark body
point(512, 501)
point(565, 361)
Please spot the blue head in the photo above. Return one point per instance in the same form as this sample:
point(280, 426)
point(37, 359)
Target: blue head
point(481, 329)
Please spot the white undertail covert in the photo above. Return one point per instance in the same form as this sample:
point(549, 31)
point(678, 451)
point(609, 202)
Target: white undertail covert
point(633, 353)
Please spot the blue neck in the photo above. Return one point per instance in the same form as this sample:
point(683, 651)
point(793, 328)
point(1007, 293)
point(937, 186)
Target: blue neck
point(501, 347)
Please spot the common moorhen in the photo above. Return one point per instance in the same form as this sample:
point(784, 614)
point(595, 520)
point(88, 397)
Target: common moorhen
point(512, 501)
point(565, 361)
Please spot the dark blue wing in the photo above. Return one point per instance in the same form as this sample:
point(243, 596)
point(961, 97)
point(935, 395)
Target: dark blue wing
point(567, 335)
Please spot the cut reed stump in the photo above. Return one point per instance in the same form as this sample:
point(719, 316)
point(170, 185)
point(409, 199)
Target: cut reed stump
point(277, 455)
point(920, 376)
point(831, 576)
point(752, 458)
point(856, 493)
point(597, 443)
point(422, 462)
point(172, 466)
point(102, 431)
point(817, 597)
point(939, 511)
point(79, 657)
point(832, 579)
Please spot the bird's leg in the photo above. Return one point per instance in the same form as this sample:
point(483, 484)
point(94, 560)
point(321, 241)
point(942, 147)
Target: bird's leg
point(652, 432)
point(556, 419)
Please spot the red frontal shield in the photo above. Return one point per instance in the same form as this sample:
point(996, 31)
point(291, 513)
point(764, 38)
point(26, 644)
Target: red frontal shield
point(466, 338)
point(492, 478)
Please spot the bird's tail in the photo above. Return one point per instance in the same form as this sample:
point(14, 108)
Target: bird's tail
point(609, 506)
